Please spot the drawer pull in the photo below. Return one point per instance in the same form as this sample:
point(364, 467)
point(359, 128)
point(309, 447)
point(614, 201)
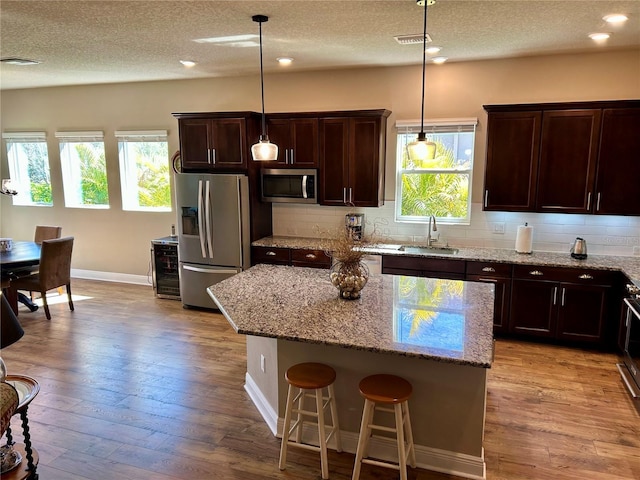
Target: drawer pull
point(271, 253)
point(537, 273)
point(585, 276)
point(484, 279)
point(488, 269)
point(310, 256)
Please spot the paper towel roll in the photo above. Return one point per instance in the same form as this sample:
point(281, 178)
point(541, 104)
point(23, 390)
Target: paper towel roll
point(524, 239)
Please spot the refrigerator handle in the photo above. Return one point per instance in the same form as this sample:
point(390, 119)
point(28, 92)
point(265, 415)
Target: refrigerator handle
point(208, 219)
point(208, 270)
point(304, 187)
point(201, 224)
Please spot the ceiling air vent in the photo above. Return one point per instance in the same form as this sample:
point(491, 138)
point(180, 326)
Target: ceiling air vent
point(18, 61)
point(411, 39)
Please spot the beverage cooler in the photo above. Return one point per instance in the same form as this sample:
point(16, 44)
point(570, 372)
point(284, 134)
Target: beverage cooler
point(165, 268)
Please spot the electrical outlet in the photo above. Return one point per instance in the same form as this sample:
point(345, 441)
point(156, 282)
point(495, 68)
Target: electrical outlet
point(498, 228)
point(262, 363)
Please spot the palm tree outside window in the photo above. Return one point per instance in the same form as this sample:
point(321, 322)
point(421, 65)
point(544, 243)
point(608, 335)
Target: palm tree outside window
point(442, 186)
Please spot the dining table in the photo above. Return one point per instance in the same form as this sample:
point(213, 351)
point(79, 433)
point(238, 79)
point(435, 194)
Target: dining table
point(20, 260)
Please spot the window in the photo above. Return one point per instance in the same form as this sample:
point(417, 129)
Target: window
point(440, 187)
point(29, 167)
point(144, 170)
point(84, 169)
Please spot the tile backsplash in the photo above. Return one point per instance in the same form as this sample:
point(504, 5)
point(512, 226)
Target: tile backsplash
point(605, 234)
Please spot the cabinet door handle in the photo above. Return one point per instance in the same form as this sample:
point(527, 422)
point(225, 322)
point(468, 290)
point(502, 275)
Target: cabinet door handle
point(486, 198)
point(350, 195)
point(214, 155)
point(598, 203)
point(537, 273)
point(344, 195)
point(286, 156)
point(585, 276)
point(310, 256)
point(488, 269)
point(209, 156)
point(564, 290)
point(555, 295)
point(292, 156)
point(271, 253)
point(589, 201)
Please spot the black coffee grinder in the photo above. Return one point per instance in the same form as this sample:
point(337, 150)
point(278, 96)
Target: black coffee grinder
point(354, 223)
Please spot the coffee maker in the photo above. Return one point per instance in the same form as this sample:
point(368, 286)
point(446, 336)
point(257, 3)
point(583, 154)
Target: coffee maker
point(354, 223)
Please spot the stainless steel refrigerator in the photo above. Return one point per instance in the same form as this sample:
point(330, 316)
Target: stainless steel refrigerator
point(213, 232)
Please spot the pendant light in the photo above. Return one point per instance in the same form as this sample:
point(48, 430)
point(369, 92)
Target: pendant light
point(422, 149)
point(264, 150)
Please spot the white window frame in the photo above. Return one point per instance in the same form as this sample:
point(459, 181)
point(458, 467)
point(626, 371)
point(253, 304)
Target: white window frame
point(129, 170)
point(452, 125)
point(71, 174)
point(19, 166)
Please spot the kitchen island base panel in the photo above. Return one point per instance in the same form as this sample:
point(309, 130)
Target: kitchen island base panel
point(447, 405)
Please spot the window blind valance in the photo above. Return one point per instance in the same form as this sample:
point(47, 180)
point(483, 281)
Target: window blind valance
point(444, 125)
point(141, 135)
point(25, 137)
point(88, 136)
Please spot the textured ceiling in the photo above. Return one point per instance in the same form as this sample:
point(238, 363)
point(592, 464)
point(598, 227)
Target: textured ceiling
point(88, 42)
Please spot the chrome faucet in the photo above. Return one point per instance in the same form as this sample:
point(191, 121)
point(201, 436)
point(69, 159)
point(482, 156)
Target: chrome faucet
point(435, 229)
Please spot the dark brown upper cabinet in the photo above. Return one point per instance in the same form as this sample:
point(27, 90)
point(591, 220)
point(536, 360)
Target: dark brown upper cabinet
point(617, 189)
point(567, 165)
point(297, 141)
point(212, 142)
point(352, 158)
point(578, 157)
point(512, 160)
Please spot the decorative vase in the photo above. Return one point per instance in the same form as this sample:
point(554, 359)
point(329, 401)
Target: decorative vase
point(349, 279)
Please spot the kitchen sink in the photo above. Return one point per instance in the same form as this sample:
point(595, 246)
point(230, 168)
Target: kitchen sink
point(428, 250)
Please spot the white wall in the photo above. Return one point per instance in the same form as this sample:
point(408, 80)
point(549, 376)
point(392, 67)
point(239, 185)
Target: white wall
point(116, 241)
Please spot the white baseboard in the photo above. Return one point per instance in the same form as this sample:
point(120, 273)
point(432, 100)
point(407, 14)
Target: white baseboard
point(443, 461)
point(111, 277)
point(262, 404)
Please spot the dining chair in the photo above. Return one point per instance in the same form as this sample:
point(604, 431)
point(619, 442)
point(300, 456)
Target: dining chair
point(46, 232)
point(54, 271)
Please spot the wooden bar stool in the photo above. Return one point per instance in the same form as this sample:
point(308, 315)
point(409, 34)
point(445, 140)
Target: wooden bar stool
point(307, 377)
point(387, 390)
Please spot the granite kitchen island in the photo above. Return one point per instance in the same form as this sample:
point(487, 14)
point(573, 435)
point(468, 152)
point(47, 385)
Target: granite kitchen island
point(435, 333)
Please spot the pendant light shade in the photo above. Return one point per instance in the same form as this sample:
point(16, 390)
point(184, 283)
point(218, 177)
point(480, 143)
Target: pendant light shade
point(264, 150)
point(422, 149)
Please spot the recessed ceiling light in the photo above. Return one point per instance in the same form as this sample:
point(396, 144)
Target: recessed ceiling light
point(188, 63)
point(433, 50)
point(599, 37)
point(439, 60)
point(19, 61)
point(285, 60)
point(615, 18)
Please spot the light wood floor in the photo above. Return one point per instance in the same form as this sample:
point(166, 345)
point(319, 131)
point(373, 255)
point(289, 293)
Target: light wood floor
point(133, 387)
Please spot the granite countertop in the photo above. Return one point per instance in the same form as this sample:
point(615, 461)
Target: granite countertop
point(630, 266)
point(442, 320)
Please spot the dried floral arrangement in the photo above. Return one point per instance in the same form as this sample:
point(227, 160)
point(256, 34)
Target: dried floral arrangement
point(343, 246)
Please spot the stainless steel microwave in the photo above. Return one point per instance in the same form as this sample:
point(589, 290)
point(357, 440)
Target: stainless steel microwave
point(289, 185)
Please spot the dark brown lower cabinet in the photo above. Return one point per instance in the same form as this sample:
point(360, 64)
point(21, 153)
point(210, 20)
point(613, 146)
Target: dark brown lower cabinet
point(423, 267)
point(499, 274)
point(532, 308)
point(298, 257)
point(582, 312)
point(576, 310)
